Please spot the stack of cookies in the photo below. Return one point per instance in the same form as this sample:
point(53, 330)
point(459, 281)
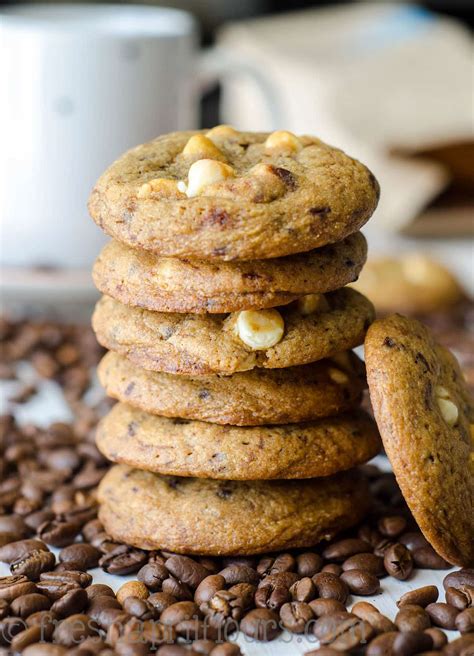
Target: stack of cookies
point(230, 331)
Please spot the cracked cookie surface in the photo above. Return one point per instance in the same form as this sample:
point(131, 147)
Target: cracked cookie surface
point(264, 200)
point(208, 344)
point(209, 517)
point(425, 415)
point(251, 398)
point(178, 447)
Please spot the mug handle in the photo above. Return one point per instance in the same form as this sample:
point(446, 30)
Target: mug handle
point(217, 62)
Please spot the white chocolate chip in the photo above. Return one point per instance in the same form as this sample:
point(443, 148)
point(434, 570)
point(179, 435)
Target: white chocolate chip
point(221, 132)
point(312, 303)
point(201, 147)
point(338, 376)
point(160, 186)
point(205, 172)
point(284, 141)
point(260, 329)
point(449, 411)
point(441, 392)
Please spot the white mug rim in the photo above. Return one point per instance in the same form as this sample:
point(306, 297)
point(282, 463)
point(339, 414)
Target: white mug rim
point(104, 20)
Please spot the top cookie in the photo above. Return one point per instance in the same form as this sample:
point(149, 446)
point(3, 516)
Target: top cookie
point(425, 417)
point(413, 284)
point(226, 195)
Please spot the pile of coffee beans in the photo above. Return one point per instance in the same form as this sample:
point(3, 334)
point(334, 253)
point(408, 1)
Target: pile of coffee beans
point(182, 606)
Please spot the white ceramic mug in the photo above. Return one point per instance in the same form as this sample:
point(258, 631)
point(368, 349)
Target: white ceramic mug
point(82, 84)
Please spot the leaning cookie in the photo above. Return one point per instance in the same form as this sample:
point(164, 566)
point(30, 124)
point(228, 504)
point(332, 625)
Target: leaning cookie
point(209, 517)
point(142, 279)
point(249, 398)
point(227, 195)
point(315, 328)
point(426, 420)
point(177, 447)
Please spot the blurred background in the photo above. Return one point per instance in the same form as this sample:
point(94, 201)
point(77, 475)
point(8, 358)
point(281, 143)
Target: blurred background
point(390, 82)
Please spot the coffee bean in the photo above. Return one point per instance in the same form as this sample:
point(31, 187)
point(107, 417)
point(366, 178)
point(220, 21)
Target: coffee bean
point(80, 552)
point(196, 629)
point(123, 560)
point(274, 590)
point(99, 590)
point(261, 624)
point(82, 579)
point(332, 568)
point(382, 645)
point(438, 637)
point(13, 524)
point(224, 649)
point(28, 604)
point(427, 558)
point(72, 603)
point(303, 590)
point(160, 601)
point(296, 616)
point(343, 549)
point(153, 575)
point(172, 650)
point(54, 589)
point(361, 582)
point(419, 597)
point(392, 526)
point(177, 589)
point(37, 518)
point(46, 619)
point(365, 561)
point(459, 578)
point(105, 616)
point(412, 619)
point(178, 612)
point(4, 608)
point(369, 535)
point(442, 615)
point(128, 646)
point(14, 551)
point(139, 608)
point(329, 586)
point(44, 649)
point(244, 595)
point(283, 563)
point(58, 533)
point(24, 638)
point(33, 563)
point(208, 588)
point(12, 587)
point(186, 570)
point(413, 540)
point(323, 651)
point(132, 589)
point(9, 628)
point(461, 598)
point(410, 643)
point(464, 621)
point(344, 632)
point(321, 607)
point(72, 630)
point(308, 564)
point(463, 646)
point(239, 574)
point(398, 562)
point(372, 615)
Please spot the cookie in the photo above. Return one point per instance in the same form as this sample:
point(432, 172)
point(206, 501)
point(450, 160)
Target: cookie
point(249, 398)
point(178, 447)
point(413, 284)
point(224, 344)
point(426, 419)
point(209, 517)
point(227, 195)
point(142, 279)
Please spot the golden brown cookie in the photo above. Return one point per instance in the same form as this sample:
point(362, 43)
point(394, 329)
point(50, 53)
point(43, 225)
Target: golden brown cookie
point(209, 517)
point(425, 416)
point(249, 398)
point(226, 195)
point(214, 343)
point(413, 284)
point(178, 447)
point(161, 284)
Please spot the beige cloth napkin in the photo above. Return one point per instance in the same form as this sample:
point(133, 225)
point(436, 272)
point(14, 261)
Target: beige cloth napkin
point(368, 78)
